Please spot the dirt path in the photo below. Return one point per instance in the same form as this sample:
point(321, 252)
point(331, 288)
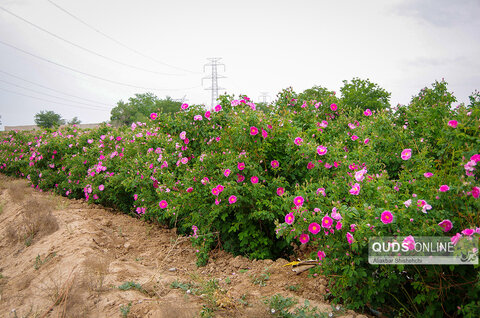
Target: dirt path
point(64, 258)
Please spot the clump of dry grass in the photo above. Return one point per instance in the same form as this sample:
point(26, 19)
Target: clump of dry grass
point(37, 221)
point(11, 234)
point(66, 298)
point(17, 191)
point(95, 270)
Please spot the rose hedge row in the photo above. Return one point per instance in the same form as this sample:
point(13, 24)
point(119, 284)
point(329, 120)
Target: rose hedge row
point(306, 172)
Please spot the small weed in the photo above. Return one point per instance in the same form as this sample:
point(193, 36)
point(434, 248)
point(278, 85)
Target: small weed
point(29, 240)
point(125, 310)
point(209, 290)
point(138, 259)
point(39, 262)
point(293, 287)
point(281, 307)
point(227, 281)
point(186, 287)
point(131, 285)
point(261, 280)
point(212, 292)
point(243, 300)
point(1, 207)
point(179, 285)
point(243, 270)
point(206, 312)
point(210, 285)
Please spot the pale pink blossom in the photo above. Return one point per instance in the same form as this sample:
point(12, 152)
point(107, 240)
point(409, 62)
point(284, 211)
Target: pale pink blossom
point(355, 190)
point(409, 241)
point(406, 154)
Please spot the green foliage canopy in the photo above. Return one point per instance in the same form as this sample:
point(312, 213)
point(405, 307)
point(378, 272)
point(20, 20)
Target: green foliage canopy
point(48, 119)
point(140, 107)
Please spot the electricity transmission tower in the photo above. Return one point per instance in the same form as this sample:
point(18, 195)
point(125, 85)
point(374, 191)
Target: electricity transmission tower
point(214, 77)
point(263, 97)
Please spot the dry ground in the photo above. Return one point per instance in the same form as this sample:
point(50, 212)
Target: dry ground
point(64, 258)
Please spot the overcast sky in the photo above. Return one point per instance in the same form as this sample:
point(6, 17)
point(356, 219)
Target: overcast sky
point(265, 45)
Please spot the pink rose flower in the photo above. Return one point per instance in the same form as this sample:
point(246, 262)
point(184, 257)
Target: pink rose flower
point(304, 238)
point(406, 154)
point(232, 199)
point(327, 222)
point(289, 218)
point(314, 228)
point(444, 188)
point(280, 191)
point(163, 204)
point(349, 238)
point(355, 190)
point(298, 201)
point(453, 123)
point(386, 217)
point(409, 241)
point(322, 150)
point(446, 225)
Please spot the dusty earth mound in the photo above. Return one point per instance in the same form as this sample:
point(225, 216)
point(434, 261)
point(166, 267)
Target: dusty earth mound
point(64, 258)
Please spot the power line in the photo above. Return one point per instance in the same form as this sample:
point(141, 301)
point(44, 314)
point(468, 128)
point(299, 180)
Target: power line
point(52, 89)
point(65, 99)
point(85, 49)
point(214, 77)
point(49, 101)
point(120, 43)
point(95, 76)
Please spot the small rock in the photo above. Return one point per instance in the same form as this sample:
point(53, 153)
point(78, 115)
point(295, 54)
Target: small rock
point(173, 269)
point(127, 246)
point(361, 316)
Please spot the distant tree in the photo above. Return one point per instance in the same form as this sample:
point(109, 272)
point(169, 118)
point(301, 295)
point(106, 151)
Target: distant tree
point(140, 107)
point(74, 121)
point(264, 107)
point(363, 94)
point(48, 119)
point(319, 94)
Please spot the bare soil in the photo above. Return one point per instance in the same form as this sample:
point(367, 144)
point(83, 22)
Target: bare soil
point(65, 258)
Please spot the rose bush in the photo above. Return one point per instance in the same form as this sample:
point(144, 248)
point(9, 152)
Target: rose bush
point(312, 168)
